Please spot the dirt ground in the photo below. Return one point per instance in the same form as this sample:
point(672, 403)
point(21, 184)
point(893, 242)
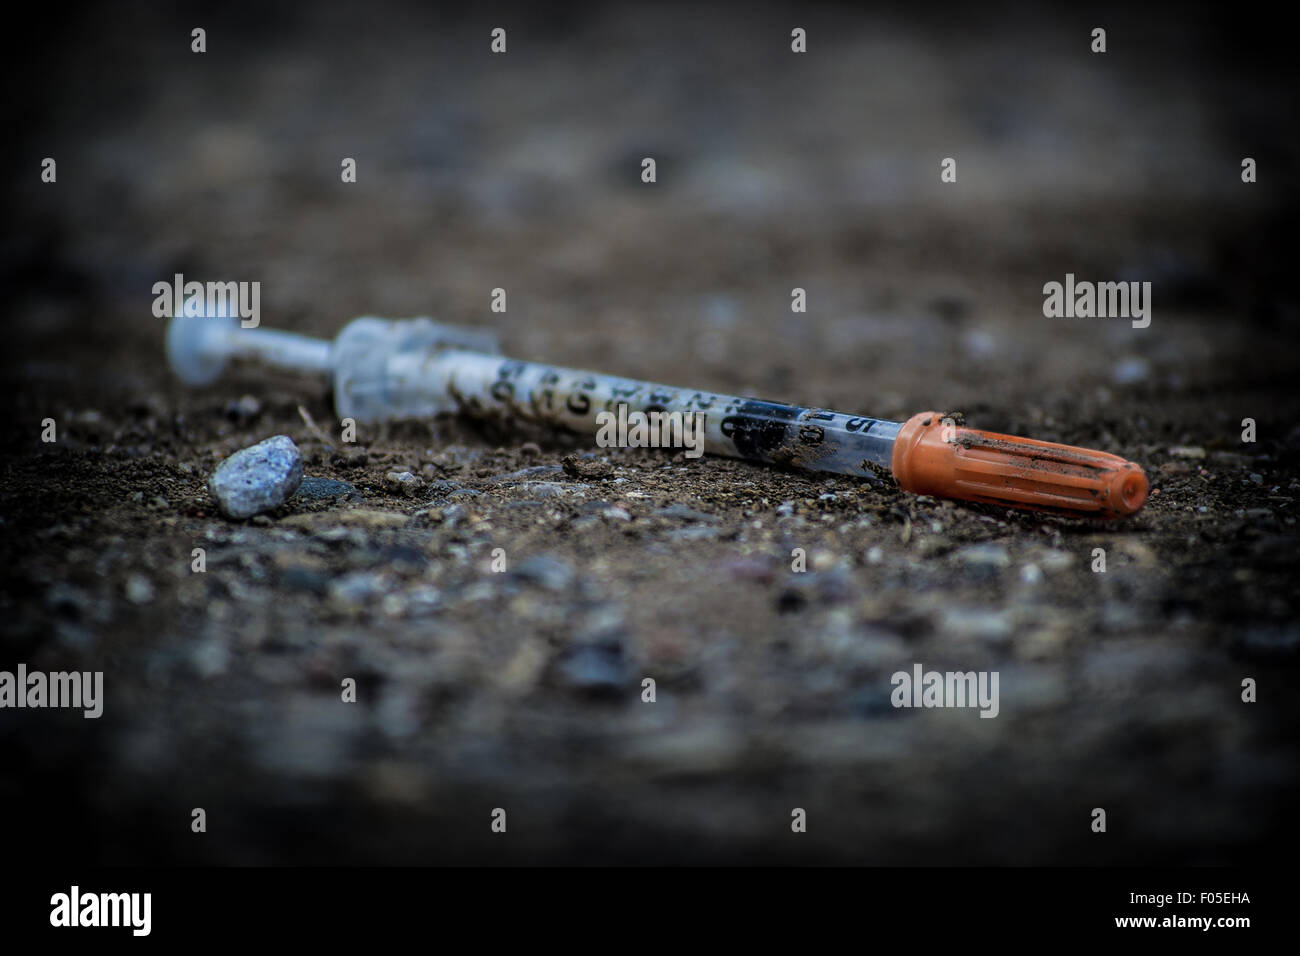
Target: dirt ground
point(522, 690)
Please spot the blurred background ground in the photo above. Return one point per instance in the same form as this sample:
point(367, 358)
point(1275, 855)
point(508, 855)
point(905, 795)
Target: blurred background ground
point(523, 690)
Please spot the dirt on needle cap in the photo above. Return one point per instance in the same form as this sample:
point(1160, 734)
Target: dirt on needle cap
point(944, 460)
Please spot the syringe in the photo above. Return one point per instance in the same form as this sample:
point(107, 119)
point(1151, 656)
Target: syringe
point(413, 368)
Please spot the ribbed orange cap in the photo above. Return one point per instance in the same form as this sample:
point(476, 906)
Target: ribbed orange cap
point(953, 462)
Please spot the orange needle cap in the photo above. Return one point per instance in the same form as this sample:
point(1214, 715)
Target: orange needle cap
point(947, 461)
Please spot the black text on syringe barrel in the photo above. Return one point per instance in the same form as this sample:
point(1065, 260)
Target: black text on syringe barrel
point(811, 438)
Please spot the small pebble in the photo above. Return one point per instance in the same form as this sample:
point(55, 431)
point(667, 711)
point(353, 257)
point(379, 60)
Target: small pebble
point(325, 489)
point(598, 669)
point(975, 622)
point(692, 533)
point(138, 589)
point(244, 409)
point(984, 555)
point(358, 588)
point(587, 467)
point(551, 573)
point(755, 568)
point(403, 482)
point(1130, 371)
point(686, 514)
point(305, 579)
point(536, 471)
point(257, 479)
point(544, 489)
point(606, 510)
point(822, 560)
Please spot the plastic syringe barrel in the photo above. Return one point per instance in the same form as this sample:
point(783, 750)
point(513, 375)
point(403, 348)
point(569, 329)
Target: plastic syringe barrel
point(489, 386)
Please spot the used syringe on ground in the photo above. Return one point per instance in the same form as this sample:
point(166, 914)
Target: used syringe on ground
point(388, 370)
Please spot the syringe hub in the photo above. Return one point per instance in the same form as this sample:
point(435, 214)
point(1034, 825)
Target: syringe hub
point(379, 367)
